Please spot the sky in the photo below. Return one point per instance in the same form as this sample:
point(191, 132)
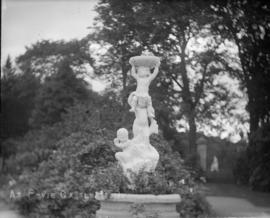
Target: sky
point(24, 22)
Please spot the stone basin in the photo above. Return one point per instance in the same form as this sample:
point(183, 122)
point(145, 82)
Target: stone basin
point(139, 205)
point(144, 61)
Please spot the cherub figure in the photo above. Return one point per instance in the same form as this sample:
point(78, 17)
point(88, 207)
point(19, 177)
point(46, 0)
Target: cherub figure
point(134, 154)
point(122, 141)
point(141, 98)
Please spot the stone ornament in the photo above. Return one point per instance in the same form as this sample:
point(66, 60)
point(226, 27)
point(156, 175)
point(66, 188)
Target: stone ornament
point(132, 205)
point(147, 59)
point(137, 153)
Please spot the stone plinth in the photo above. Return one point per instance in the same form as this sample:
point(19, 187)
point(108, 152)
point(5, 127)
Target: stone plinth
point(139, 205)
point(202, 152)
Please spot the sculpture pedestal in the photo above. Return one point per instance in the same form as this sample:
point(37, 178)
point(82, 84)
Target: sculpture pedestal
point(139, 205)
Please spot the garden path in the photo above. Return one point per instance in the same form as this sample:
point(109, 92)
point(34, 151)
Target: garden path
point(5, 210)
point(230, 200)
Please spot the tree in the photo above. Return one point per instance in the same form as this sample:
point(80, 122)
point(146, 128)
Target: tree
point(18, 91)
point(247, 24)
point(167, 29)
point(56, 64)
point(8, 69)
point(58, 92)
point(43, 57)
point(117, 35)
point(17, 97)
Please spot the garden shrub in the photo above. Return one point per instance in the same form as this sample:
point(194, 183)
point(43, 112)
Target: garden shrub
point(259, 156)
point(76, 158)
point(171, 176)
point(193, 205)
point(241, 169)
point(64, 164)
point(42, 142)
point(253, 165)
point(109, 179)
point(67, 171)
point(84, 163)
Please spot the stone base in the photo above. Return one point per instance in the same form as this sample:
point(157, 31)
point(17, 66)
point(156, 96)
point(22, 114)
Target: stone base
point(139, 205)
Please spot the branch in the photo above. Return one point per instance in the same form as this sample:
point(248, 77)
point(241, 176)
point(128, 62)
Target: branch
point(199, 92)
point(238, 43)
point(175, 80)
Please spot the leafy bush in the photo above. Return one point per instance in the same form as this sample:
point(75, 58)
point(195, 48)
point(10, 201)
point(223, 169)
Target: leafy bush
point(109, 179)
point(67, 171)
point(67, 153)
point(241, 169)
point(41, 143)
point(84, 163)
point(76, 156)
point(253, 165)
point(193, 205)
point(170, 176)
point(259, 156)
point(152, 183)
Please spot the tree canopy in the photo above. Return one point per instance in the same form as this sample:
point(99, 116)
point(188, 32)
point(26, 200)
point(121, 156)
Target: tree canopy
point(169, 30)
point(247, 24)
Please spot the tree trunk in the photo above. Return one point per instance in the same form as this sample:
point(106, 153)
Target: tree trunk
point(254, 118)
point(252, 108)
point(192, 133)
point(248, 79)
point(190, 113)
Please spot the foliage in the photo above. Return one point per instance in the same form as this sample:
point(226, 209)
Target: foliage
point(241, 169)
point(253, 165)
point(68, 171)
point(44, 77)
point(259, 157)
point(72, 150)
point(247, 24)
point(76, 154)
point(61, 157)
point(193, 205)
point(171, 176)
point(29, 97)
point(99, 112)
point(172, 30)
point(23, 86)
point(18, 92)
point(36, 79)
point(152, 183)
point(57, 93)
point(43, 57)
point(109, 179)
point(165, 180)
point(83, 162)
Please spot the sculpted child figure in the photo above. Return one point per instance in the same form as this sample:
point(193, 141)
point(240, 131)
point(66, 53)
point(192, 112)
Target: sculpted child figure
point(141, 98)
point(122, 142)
point(134, 155)
point(130, 154)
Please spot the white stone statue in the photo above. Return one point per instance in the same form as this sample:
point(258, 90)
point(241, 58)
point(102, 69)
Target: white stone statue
point(214, 165)
point(138, 154)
